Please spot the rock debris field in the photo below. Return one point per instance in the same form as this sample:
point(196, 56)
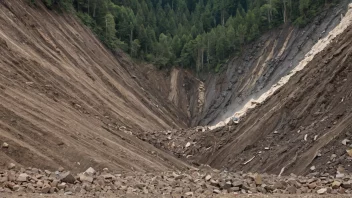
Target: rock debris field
point(203, 182)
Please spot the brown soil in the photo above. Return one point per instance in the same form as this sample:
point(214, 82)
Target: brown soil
point(315, 103)
point(66, 101)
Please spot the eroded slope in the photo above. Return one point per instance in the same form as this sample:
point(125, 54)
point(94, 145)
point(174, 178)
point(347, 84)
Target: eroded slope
point(302, 125)
point(263, 64)
point(67, 101)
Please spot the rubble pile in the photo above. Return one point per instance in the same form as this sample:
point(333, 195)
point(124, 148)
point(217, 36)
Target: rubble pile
point(204, 182)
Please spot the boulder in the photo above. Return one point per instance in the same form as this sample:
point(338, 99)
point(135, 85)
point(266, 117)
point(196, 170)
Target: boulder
point(336, 185)
point(85, 177)
point(322, 191)
point(90, 170)
point(5, 145)
point(11, 166)
point(67, 177)
point(23, 177)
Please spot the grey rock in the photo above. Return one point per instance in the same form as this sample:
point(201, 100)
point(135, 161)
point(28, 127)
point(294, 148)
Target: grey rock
point(322, 191)
point(237, 183)
point(46, 188)
point(67, 177)
point(85, 177)
point(90, 170)
point(291, 189)
point(11, 166)
point(23, 177)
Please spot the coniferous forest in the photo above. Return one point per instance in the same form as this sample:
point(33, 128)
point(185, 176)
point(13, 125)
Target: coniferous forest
point(196, 34)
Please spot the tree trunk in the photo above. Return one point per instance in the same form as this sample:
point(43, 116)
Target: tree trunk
point(95, 7)
point(131, 39)
point(285, 11)
point(106, 27)
point(88, 8)
point(223, 17)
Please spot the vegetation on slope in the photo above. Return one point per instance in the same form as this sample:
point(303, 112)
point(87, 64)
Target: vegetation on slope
point(196, 34)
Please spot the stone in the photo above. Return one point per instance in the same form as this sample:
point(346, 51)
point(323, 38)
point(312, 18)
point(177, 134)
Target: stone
point(16, 187)
point(279, 185)
point(52, 190)
point(85, 177)
point(67, 177)
point(3, 179)
point(237, 183)
point(108, 176)
point(347, 185)
point(345, 141)
point(5, 145)
point(90, 170)
point(30, 189)
point(47, 172)
point(54, 183)
point(349, 152)
point(139, 186)
point(46, 188)
point(258, 179)
point(216, 191)
point(340, 175)
point(23, 177)
point(233, 189)
point(207, 178)
point(336, 185)
point(214, 183)
point(291, 190)
point(189, 193)
point(312, 168)
point(11, 166)
point(322, 191)
point(176, 176)
point(68, 193)
point(61, 169)
point(226, 185)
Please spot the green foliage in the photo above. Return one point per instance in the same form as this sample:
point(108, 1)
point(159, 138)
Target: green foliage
point(196, 34)
point(61, 4)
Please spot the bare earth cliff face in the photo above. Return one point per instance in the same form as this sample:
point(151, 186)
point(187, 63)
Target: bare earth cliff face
point(65, 100)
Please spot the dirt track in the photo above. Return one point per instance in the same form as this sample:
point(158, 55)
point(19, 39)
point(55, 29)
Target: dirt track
point(66, 101)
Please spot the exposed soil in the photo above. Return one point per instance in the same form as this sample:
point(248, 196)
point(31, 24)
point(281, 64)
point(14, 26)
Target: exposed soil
point(302, 125)
point(66, 101)
point(263, 64)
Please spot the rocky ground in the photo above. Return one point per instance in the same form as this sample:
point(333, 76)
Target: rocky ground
point(203, 182)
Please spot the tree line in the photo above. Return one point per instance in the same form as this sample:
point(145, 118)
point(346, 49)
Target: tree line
point(195, 34)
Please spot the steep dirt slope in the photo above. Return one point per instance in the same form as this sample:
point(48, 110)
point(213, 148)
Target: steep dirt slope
point(274, 55)
point(306, 123)
point(67, 101)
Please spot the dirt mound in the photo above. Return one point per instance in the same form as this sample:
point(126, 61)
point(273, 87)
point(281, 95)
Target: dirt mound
point(305, 126)
point(67, 101)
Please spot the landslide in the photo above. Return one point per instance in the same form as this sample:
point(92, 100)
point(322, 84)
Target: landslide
point(306, 126)
point(261, 65)
point(65, 100)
